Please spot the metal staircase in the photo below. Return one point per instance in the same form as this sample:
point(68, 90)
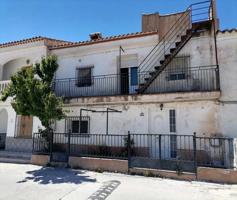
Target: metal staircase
point(197, 18)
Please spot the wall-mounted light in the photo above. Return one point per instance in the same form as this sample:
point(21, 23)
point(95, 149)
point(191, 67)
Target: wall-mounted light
point(142, 114)
point(161, 106)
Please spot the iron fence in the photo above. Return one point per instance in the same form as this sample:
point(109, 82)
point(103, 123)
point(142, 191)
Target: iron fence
point(183, 79)
point(160, 151)
point(180, 152)
point(98, 145)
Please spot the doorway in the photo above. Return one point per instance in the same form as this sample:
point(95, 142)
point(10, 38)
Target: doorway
point(129, 80)
point(25, 126)
point(124, 80)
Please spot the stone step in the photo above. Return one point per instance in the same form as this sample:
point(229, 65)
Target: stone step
point(15, 155)
point(59, 164)
point(59, 157)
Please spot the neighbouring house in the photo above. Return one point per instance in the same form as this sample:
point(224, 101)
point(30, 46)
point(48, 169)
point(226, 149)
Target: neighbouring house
point(175, 77)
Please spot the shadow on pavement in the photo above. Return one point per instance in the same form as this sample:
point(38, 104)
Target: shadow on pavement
point(49, 175)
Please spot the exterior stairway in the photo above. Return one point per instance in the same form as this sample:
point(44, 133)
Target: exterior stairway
point(171, 44)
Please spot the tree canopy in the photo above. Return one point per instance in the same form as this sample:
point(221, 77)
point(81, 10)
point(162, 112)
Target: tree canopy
point(31, 92)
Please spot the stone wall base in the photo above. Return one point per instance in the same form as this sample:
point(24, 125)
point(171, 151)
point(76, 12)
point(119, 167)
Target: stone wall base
point(164, 173)
point(41, 160)
point(111, 165)
point(217, 175)
point(228, 176)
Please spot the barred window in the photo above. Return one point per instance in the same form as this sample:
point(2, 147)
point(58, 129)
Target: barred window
point(74, 125)
point(178, 68)
point(172, 116)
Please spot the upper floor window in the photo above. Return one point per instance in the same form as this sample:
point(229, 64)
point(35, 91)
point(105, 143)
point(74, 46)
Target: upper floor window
point(84, 76)
point(178, 68)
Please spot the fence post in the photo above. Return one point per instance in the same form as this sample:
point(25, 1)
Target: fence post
point(33, 142)
point(69, 86)
point(51, 144)
point(195, 152)
point(69, 144)
point(129, 151)
point(160, 148)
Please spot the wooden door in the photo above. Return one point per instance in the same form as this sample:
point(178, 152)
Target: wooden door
point(26, 125)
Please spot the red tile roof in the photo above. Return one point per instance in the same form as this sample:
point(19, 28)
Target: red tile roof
point(49, 41)
point(227, 30)
point(105, 39)
point(58, 44)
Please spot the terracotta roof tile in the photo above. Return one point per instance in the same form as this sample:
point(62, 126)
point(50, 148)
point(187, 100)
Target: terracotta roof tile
point(57, 44)
point(227, 30)
point(33, 39)
point(105, 39)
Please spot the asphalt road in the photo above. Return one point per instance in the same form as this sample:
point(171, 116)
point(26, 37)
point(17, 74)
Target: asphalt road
point(29, 182)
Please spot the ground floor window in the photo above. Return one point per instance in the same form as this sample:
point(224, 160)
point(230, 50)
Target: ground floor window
point(74, 125)
point(173, 137)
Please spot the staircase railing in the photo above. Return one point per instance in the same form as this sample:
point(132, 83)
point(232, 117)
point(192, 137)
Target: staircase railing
point(195, 13)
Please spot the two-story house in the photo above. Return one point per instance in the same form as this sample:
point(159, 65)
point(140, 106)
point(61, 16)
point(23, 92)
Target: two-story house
point(176, 76)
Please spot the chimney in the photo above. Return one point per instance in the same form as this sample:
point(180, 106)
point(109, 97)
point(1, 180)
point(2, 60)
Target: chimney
point(214, 10)
point(96, 36)
point(150, 22)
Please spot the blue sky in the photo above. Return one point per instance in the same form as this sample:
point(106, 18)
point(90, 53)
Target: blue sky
point(74, 20)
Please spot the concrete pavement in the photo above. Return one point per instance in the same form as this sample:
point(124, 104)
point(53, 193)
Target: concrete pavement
point(29, 182)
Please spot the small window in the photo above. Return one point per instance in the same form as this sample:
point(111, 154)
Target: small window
point(75, 126)
point(177, 76)
point(84, 77)
point(172, 117)
point(83, 126)
point(173, 137)
point(178, 69)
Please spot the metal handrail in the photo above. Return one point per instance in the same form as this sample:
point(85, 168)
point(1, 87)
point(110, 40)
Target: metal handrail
point(203, 67)
point(170, 34)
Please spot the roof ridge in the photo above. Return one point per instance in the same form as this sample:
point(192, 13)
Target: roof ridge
point(104, 39)
point(29, 40)
point(227, 30)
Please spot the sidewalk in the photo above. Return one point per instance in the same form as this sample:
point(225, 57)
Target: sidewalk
point(25, 182)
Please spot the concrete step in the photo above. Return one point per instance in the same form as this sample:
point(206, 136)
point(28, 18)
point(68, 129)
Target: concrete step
point(59, 164)
point(15, 160)
point(11, 154)
point(15, 157)
point(59, 157)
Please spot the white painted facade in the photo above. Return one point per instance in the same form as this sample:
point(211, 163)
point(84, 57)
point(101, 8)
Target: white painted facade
point(207, 113)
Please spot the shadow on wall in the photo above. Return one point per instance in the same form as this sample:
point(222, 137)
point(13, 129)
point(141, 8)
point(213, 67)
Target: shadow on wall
point(49, 175)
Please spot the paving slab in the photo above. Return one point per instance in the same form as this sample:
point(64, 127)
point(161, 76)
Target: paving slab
point(24, 182)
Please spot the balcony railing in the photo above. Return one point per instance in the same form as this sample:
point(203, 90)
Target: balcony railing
point(3, 85)
point(183, 80)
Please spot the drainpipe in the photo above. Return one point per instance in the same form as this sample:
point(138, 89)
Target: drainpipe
point(214, 20)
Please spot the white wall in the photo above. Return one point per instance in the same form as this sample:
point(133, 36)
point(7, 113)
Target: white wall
point(201, 53)
point(104, 58)
point(199, 116)
point(17, 55)
point(227, 53)
point(3, 121)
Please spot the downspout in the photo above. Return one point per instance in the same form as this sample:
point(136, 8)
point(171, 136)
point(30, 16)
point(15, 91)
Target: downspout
point(213, 11)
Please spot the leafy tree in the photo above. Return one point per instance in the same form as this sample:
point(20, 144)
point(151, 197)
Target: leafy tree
point(32, 95)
